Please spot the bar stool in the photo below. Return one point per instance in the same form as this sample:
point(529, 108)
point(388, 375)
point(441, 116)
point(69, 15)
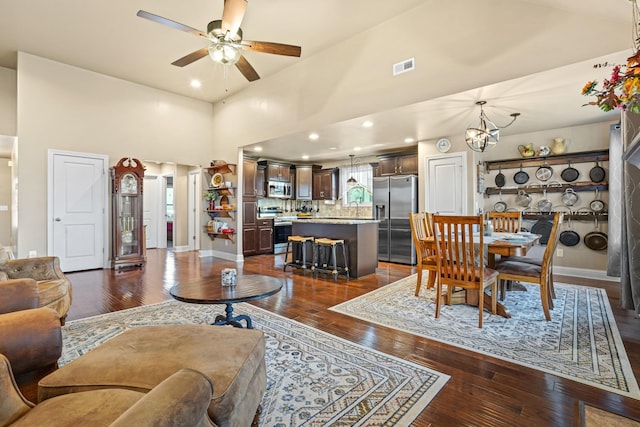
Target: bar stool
point(297, 246)
point(325, 248)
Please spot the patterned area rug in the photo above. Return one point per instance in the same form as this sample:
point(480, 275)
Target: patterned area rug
point(581, 342)
point(314, 378)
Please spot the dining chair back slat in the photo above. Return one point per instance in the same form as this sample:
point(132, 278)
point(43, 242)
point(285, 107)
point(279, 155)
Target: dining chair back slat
point(508, 222)
point(456, 254)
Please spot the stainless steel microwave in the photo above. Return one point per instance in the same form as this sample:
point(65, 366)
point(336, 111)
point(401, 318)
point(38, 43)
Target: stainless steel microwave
point(279, 189)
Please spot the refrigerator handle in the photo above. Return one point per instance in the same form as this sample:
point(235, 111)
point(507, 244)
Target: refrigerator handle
point(380, 213)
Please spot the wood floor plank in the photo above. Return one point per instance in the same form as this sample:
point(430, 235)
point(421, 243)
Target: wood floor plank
point(483, 391)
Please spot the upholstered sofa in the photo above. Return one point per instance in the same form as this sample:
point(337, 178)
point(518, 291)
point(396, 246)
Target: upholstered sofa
point(180, 400)
point(30, 336)
point(54, 289)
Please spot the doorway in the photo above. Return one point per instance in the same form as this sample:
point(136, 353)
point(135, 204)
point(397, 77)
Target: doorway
point(445, 189)
point(169, 209)
point(77, 206)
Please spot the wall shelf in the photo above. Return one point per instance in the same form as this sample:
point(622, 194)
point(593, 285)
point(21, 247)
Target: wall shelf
point(551, 188)
point(213, 235)
point(584, 216)
point(221, 167)
point(558, 159)
point(222, 213)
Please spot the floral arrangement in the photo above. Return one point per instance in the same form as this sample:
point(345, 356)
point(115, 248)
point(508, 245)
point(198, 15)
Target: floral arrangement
point(622, 89)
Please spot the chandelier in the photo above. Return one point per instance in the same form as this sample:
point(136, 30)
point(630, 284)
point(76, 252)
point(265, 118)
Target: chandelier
point(351, 181)
point(486, 134)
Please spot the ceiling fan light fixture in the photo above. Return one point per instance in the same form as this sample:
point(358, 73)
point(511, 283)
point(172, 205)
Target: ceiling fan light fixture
point(224, 53)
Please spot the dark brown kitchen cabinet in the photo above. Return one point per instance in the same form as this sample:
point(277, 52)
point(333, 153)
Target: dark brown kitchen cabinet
point(249, 227)
point(304, 181)
point(398, 164)
point(249, 177)
point(325, 184)
point(265, 236)
point(261, 188)
point(278, 172)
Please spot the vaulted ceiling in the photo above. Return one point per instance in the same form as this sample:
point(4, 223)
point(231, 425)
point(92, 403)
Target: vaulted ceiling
point(107, 37)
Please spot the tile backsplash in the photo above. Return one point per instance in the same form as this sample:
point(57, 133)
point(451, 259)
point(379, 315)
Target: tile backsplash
point(319, 208)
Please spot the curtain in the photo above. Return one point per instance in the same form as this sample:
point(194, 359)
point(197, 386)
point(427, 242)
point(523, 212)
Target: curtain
point(630, 214)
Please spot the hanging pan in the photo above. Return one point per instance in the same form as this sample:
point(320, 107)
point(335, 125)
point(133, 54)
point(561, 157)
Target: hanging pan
point(521, 177)
point(570, 174)
point(523, 199)
point(500, 206)
point(597, 173)
point(543, 228)
point(569, 197)
point(544, 172)
point(596, 240)
point(569, 237)
point(597, 205)
point(500, 179)
point(544, 204)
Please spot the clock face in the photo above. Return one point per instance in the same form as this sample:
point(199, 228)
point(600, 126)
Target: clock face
point(443, 145)
point(129, 184)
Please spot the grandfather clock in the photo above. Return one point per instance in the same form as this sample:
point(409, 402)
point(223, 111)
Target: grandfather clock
point(128, 231)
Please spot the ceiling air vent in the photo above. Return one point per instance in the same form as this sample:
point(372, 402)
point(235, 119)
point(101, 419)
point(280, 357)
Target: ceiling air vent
point(404, 66)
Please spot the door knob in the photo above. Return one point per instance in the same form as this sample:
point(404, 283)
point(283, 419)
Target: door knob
point(58, 219)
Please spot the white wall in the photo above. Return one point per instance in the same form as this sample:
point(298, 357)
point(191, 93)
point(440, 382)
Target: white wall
point(8, 102)
point(67, 108)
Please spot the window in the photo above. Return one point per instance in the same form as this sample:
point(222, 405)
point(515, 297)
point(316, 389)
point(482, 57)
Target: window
point(360, 192)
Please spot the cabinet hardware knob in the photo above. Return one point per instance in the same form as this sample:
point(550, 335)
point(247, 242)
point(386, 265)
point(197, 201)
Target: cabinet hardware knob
point(58, 219)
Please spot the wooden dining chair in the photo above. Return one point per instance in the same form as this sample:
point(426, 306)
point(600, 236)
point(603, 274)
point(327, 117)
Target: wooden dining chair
point(456, 254)
point(530, 271)
point(506, 222)
point(421, 230)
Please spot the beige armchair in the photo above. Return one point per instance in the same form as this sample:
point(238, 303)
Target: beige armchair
point(30, 336)
point(180, 400)
point(54, 289)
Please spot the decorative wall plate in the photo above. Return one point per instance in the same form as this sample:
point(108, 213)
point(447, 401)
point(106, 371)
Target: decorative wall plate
point(216, 180)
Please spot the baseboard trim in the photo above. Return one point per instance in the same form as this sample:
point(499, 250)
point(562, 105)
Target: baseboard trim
point(181, 248)
point(219, 254)
point(584, 273)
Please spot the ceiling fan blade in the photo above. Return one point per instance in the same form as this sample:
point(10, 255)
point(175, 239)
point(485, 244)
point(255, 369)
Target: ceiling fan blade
point(275, 48)
point(170, 23)
point(192, 57)
point(247, 69)
point(232, 15)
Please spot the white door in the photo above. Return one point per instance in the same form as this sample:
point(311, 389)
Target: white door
point(445, 187)
point(151, 210)
point(77, 200)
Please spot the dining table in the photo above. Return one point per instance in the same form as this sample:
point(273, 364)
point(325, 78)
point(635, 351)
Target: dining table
point(498, 243)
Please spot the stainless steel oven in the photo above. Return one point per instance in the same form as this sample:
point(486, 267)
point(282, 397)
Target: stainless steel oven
point(281, 233)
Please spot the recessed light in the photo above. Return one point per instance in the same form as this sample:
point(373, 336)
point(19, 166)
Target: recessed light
point(409, 140)
point(305, 157)
point(378, 145)
point(257, 148)
point(367, 124)
point(196, 83)
point(314, 136)
point(356, 148)
point(333, 148)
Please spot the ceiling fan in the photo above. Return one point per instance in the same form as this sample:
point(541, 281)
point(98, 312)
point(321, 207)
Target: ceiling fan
point(225, 40)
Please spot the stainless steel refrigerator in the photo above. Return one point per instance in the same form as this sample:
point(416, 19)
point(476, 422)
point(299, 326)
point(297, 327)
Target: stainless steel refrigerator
point(394, 198)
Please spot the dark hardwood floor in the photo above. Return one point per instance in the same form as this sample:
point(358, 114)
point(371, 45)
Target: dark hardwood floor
point(483, 391)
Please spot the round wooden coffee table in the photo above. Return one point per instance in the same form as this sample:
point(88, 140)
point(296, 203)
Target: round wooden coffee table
point(210, 291)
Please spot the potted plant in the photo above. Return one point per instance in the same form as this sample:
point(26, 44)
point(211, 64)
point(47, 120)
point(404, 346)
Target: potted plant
point(211, 196)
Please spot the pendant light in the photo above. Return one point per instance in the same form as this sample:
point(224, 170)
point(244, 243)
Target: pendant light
point(486, 134)
point(351, 181)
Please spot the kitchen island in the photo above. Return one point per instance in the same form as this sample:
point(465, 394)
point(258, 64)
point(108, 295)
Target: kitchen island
point(360, 236)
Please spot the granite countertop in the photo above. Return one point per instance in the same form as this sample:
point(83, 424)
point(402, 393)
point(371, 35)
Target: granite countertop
point(337, 220)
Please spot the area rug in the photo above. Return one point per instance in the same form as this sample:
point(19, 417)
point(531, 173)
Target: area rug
point(581, 342)
point(314, 378)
